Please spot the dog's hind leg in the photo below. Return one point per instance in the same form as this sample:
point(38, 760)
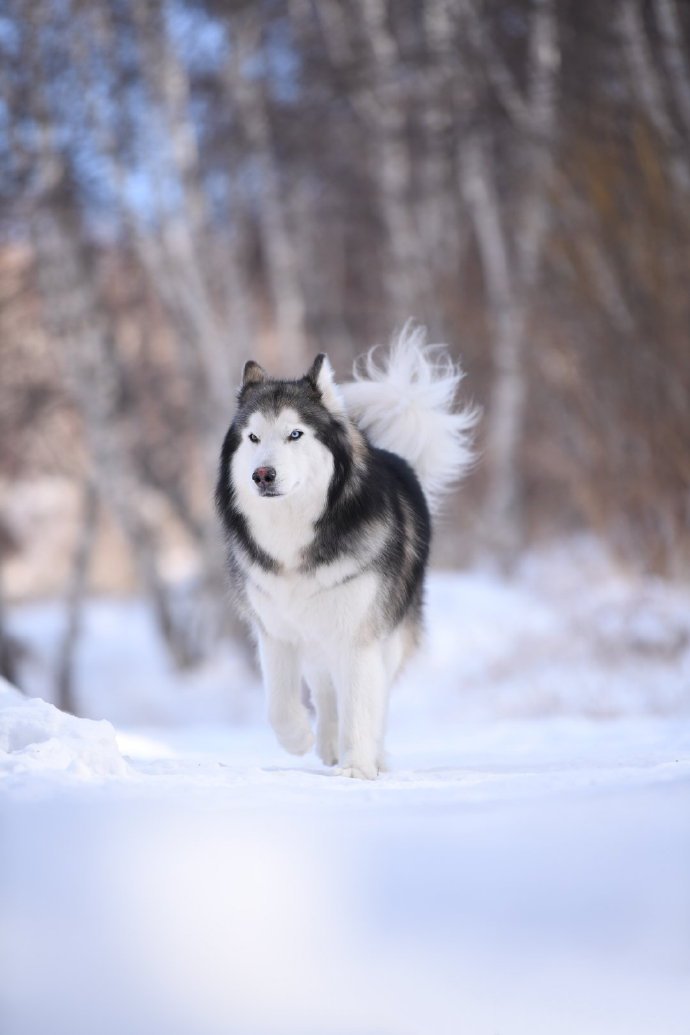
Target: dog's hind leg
point(362, 683)
point(323, 696)
point(287, 713)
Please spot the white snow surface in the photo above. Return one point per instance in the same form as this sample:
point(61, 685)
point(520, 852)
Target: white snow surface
point(37, 738)
point(523, 868)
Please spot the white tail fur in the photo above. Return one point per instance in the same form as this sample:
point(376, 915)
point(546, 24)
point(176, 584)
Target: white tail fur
point(406, 403)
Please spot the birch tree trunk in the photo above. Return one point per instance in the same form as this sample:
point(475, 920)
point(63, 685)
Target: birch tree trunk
point(648, 84)
point(10, 648)
point(73, 314)
point(675, 54)
point(179, 259)
point(383, 108)
point(205, 354)
point(503, 507)
point(388, 117)
point(443, 226)
point(74, 606)
point(248, 93)
point(510, 248)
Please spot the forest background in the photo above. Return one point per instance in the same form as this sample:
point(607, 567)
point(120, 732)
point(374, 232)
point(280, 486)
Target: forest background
point(187, 184)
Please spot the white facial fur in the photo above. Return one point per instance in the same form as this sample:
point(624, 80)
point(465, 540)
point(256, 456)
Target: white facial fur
point(283, 524)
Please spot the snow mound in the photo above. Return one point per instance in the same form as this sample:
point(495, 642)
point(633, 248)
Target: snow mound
point(36, 737)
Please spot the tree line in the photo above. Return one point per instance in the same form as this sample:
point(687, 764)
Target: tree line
point(187, 184)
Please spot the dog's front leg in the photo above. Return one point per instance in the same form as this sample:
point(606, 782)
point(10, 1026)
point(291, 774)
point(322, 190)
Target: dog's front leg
point(282, 681)
point(362, 696)
point(323, 696)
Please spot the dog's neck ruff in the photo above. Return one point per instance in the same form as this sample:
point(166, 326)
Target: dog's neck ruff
point(283, 530)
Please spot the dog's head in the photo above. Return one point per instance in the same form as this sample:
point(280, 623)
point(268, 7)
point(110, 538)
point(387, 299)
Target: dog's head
point(288, 438)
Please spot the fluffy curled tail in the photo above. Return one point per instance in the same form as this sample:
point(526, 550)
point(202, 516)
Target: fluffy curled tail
point(405, 401)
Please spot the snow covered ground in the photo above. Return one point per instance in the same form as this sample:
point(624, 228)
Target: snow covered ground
point(523, 868)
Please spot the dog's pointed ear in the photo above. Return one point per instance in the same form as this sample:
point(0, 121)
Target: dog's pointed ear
point(321, 377)
point(253, 374)
point(316, 370)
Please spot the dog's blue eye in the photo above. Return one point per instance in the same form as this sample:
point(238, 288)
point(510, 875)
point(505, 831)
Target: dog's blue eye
point(296, 434)
point(252, 437)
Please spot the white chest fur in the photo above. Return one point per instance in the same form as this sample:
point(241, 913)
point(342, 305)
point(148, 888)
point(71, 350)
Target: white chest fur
point(320, 611)
point(282, 529)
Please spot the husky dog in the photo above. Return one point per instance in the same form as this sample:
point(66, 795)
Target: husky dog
point(325, 492)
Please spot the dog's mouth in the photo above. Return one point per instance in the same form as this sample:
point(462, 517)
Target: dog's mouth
point(270, 491)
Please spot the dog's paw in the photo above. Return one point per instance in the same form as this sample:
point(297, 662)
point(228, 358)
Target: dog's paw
point(327, 746)
point(360, 771)
point(328, 755)
point(297, 740)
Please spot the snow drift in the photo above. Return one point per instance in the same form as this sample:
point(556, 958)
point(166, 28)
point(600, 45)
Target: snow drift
point(36, 737)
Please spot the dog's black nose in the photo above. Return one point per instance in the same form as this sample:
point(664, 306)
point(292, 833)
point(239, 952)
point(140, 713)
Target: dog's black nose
point(264, 475)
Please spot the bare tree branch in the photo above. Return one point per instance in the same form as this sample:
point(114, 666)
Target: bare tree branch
point(675, 55)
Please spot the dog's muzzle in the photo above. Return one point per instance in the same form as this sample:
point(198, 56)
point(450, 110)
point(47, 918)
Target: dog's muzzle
point(264, 479)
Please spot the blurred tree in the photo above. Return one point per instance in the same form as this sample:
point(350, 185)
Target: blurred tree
point(185, 184)
point(511, 234)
